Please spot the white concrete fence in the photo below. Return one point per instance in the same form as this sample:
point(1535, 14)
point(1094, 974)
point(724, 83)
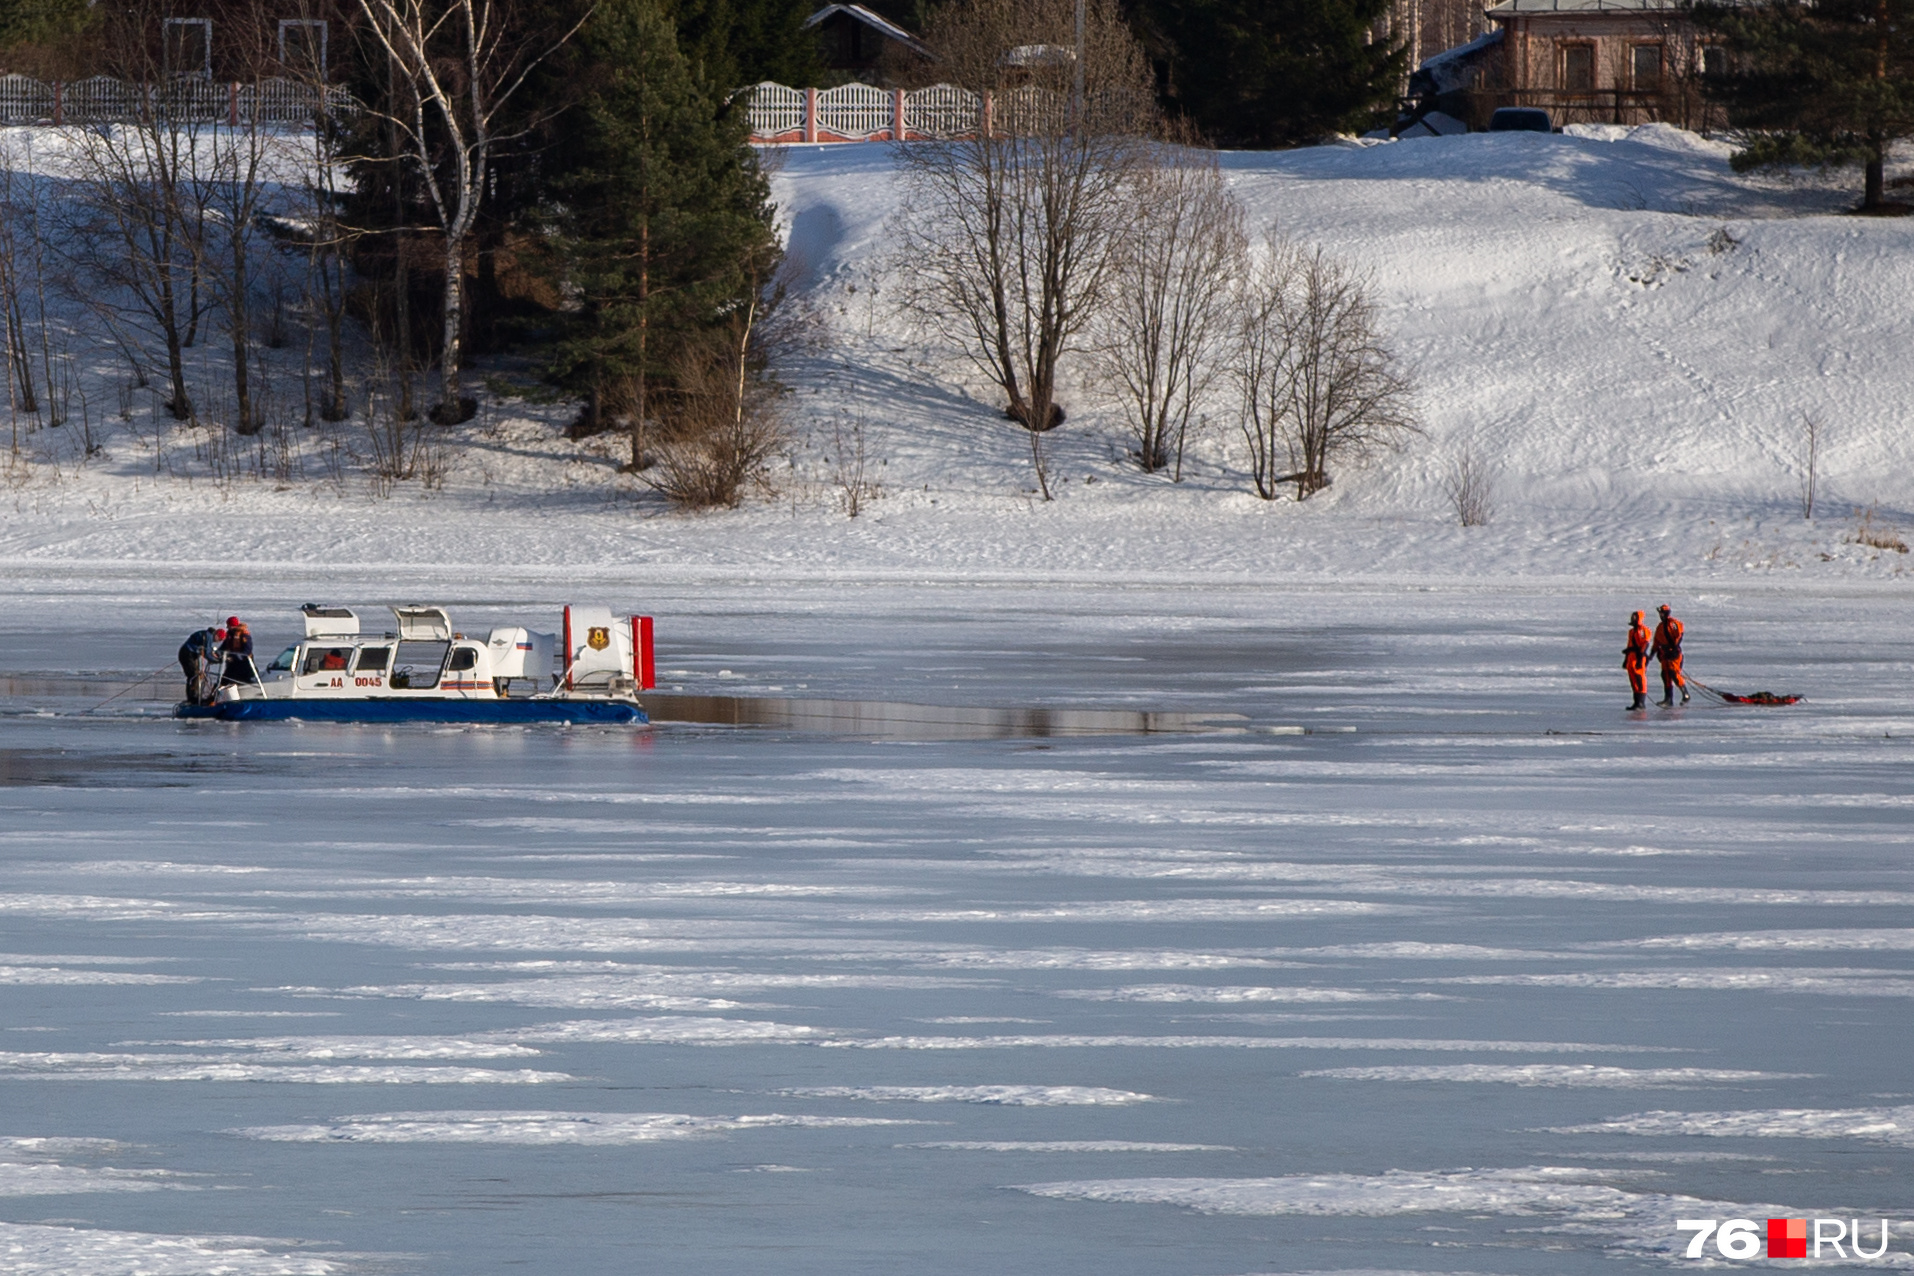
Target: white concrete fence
point(104, 100)
point(862, 113)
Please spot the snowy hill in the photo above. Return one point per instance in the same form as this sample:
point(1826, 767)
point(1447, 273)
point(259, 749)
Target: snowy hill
point(1632, 332)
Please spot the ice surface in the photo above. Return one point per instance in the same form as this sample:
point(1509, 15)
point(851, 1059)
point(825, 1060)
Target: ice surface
point(1068, 1145)
point(1229, 993)
point(60, 1251)
point(1066, 950)
point(42, 1179)
point(604, 1129)
point(1564, 1074)
point(1879, 1125)
point(1012, 1096)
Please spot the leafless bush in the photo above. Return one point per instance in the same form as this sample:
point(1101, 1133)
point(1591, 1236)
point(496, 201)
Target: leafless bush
point(141, 238)
point(1811, 431)
point(1876, 535)
point(1470, 484)
point(1319, 383)
point(727, 423)
point(1163, 321)
point(850, 468)
point(1008, 230)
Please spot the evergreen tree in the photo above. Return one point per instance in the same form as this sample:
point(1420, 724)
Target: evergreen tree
point(664, 221)
point(40, 21)
point(732, 44)
point(1270, 72)
point(1818, 82)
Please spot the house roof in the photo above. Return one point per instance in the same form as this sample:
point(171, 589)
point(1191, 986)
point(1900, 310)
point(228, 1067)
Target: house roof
point(883, 26)
point(1509, 7)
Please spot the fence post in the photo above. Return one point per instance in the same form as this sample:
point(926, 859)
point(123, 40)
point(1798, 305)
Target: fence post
point(897, 115)
point(232, 104)
point(810, 115)
point(59, 111)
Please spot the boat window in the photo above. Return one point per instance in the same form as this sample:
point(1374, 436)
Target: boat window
point(282, 663)
point(462, 659)
point(373, 659)
point(417, 664)
point(326, 660)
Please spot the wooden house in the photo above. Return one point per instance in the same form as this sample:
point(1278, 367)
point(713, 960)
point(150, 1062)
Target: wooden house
point(1582, 61)
point(864, 46)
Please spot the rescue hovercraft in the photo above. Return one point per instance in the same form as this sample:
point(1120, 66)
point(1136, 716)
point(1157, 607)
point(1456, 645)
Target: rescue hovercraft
point(421, 670)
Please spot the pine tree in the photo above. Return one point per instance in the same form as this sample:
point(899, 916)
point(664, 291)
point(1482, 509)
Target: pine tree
point(732, 44)
point(1271, 72)
point(1822, 82)
point(665, 221)
point(40, 21)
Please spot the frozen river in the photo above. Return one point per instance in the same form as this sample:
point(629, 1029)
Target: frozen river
point(1432, 960)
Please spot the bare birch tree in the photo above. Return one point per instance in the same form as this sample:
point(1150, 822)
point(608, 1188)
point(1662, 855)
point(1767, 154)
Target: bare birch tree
point(1008, 230)
point(1319, 383)
point(457, 65)
point(1167, 312)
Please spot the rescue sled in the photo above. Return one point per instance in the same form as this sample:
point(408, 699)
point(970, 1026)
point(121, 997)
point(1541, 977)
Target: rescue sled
point(423, 671)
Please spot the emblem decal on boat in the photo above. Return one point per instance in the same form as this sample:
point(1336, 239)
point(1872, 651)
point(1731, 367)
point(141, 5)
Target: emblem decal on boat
point(598, 637)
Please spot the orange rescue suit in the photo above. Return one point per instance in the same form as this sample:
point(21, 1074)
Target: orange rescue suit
point(1635, 658)
point(1668, 651)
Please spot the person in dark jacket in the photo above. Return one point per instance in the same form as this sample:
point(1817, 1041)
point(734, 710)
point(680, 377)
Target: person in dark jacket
point(238, 652)
point(195, 654)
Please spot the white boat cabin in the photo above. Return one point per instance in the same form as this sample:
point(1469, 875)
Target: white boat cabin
point(424, 657)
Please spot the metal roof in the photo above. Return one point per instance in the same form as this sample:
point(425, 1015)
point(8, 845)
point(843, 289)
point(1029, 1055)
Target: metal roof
point(883, 26)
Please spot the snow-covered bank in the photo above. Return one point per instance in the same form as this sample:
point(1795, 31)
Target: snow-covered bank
point(1633, 333)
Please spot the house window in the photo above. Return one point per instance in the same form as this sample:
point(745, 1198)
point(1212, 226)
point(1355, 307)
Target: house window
point(1714, 60)
point(302, 47)
point(189, 47)
point(1645, 67)
point(1578, 68)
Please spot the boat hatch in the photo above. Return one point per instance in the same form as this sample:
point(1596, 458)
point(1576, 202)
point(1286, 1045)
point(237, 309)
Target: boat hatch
point(330, 622)
point(423, 624)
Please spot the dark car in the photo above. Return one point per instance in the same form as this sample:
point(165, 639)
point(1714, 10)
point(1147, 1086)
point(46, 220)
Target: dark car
point(1520, 119)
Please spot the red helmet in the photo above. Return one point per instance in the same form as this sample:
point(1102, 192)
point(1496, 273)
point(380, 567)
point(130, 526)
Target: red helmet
point(232, 622)
point(219, 635)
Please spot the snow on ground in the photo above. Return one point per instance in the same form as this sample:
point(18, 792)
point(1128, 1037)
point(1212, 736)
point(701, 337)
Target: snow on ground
point(1632, 333)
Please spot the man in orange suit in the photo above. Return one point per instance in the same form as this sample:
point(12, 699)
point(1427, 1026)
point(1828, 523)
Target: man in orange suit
point(1668, 651)
point(1635, 660)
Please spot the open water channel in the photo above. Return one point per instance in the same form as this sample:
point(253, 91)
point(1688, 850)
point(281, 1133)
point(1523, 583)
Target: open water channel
point(1403, 948)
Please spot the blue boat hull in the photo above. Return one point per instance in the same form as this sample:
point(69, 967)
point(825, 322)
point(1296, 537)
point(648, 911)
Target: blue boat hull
point(419, 710)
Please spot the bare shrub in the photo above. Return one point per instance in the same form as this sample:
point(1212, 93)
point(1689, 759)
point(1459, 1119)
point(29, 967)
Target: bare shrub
point(1319, 383)
point(1167, 309)
point(1008, 229)
point(1876, 535)
point(1811, 431)
point(727, 423)
point(850, 468)
point(1470, 485)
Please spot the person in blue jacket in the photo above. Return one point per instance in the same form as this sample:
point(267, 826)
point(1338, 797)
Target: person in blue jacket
point(195, 654)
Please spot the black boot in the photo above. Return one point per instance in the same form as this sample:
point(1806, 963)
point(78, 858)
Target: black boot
point(1684, 695)
point(1641, 701)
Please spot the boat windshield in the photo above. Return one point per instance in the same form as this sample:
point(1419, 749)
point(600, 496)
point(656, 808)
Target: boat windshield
point(417, 665)
point(282, 663)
